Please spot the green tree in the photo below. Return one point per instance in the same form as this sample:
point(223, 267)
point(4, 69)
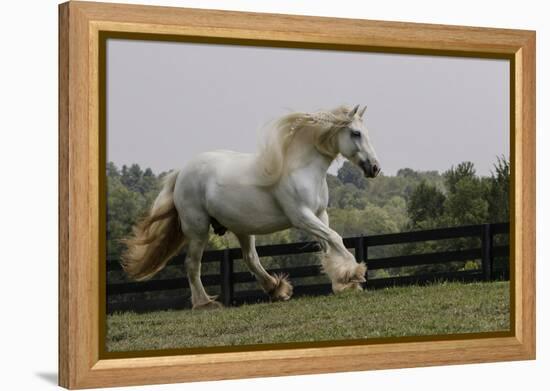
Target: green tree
point(348, 196)
point(499, 191)
point(349, 173)
point(466, 204)
point(130, 192)
point(425, 203)
point(454, 175)
point(408, 173)
point(124, 208)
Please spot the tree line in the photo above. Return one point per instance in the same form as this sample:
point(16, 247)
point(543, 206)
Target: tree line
point(409, 200)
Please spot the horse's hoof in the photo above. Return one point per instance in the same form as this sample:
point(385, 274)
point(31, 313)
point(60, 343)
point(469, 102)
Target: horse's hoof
point(348, 287)
point(209, 305)
point(282, 291)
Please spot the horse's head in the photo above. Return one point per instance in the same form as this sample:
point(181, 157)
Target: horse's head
point(354, 144)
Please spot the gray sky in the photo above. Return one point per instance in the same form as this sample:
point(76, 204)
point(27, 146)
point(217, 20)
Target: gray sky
point(169, 101)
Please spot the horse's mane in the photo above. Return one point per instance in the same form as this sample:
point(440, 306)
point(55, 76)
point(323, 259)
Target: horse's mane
point(322, 126)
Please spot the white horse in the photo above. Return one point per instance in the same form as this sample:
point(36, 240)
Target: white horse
point(282, 186)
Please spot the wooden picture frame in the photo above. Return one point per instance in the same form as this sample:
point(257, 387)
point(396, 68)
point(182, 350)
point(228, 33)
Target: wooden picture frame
point(82, 363)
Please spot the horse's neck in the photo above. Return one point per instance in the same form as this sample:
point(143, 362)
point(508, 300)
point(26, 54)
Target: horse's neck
point(305, 156)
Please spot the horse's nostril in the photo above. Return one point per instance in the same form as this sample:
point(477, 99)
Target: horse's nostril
point(375, 169)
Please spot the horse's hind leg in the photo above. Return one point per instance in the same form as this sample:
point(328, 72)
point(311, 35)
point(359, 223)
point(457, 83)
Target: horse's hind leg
point(199, 297)
point(197, 237)
point(277, 286)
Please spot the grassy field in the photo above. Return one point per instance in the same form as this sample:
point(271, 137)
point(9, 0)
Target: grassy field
point(447, 308)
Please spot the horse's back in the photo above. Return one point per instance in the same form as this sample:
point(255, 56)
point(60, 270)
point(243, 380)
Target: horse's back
point(219, 166)
point(206, 168)
point(224, 185)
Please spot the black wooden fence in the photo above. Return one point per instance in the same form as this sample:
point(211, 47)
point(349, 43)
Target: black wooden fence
point(228, 278)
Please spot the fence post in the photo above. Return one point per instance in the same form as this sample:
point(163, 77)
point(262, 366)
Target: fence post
point(361, 251)
point(226, 269)
point(487, 252)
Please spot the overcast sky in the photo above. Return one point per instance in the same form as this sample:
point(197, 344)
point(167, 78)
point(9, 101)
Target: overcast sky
point(169, 101)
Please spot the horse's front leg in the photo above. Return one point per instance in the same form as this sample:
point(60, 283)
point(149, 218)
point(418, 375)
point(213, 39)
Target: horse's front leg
point(277, 286)
point(338, 263)
point(323, 216)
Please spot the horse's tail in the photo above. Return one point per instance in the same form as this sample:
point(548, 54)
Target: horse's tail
point(156, 238)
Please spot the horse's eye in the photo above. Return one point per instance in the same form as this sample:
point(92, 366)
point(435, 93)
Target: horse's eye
point(355, 133)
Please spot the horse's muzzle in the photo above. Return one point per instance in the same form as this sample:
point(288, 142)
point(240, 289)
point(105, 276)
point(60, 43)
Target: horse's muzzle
point(370, 170)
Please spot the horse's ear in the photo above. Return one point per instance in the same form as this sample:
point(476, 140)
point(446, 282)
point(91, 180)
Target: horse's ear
point(362, 111)
point(353, 111)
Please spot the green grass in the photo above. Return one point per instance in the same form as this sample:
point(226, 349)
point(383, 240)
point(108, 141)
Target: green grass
point(448, 308)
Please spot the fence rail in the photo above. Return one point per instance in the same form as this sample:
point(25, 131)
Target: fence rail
point(227, 278)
